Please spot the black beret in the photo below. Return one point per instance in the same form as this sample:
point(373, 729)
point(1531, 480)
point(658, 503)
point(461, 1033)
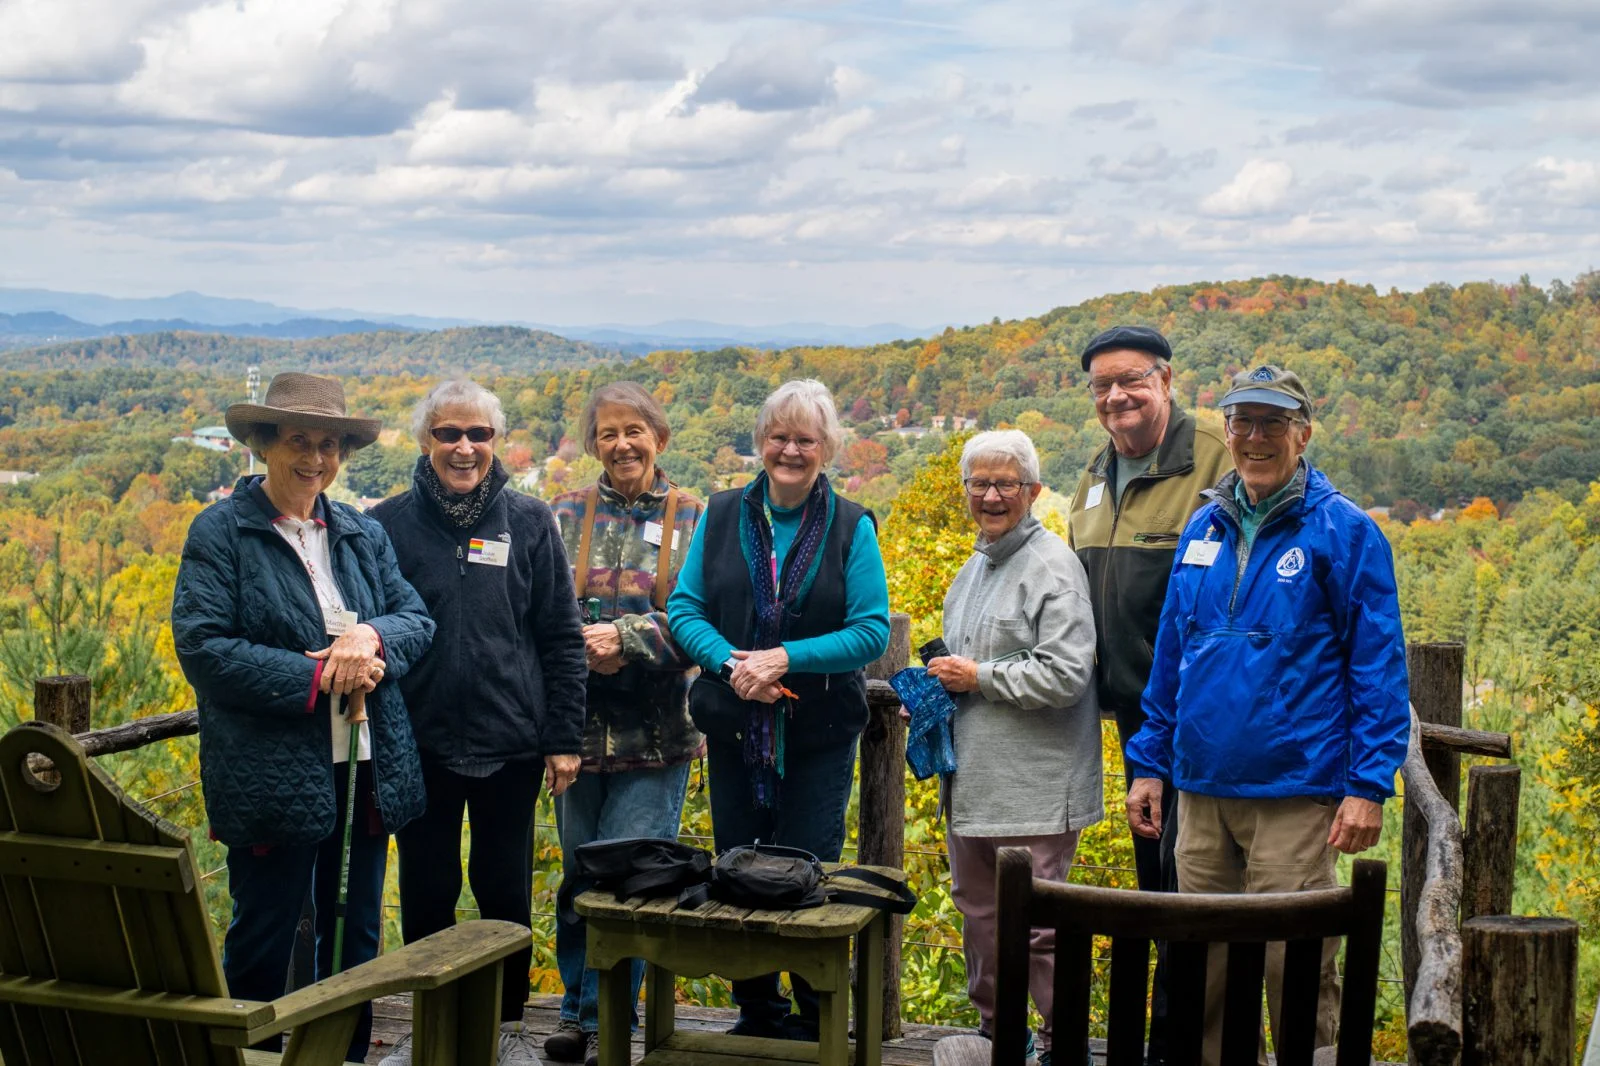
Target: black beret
point(1139, 338)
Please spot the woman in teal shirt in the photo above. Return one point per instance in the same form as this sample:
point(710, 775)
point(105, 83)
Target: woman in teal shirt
point(781, 601)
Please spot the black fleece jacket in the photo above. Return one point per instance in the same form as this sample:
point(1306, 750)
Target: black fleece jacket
point(505, 677)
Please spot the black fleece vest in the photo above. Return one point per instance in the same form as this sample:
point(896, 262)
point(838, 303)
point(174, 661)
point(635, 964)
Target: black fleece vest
point(831, 708)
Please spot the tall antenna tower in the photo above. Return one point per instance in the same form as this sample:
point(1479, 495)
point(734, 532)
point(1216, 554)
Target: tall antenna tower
point(252, 383)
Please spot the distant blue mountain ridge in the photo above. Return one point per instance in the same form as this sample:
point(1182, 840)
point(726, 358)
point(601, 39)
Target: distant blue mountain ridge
point(30, 317)
point(33, 328)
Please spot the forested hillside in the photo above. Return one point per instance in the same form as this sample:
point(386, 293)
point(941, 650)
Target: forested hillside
point(1424, 400)
point(479, 349)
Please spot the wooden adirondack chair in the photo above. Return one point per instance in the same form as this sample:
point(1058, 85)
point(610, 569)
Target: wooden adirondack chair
point(107, 959)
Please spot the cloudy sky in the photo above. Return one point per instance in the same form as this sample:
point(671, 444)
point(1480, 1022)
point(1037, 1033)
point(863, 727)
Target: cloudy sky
point(754, 161)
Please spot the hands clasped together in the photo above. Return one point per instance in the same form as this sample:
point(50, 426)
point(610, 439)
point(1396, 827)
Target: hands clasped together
point(602, 647)
point(351, 661)
point(758, 675)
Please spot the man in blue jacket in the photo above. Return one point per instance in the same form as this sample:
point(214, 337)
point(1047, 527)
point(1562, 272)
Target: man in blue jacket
point(1277, 703)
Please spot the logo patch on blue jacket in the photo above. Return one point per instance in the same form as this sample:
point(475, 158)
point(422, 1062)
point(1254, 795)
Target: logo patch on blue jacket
point(1291, 562)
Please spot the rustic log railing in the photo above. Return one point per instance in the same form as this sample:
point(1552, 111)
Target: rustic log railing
point(1433, 1015)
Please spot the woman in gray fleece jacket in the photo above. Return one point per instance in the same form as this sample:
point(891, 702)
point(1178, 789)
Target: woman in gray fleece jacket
point(1027, 729)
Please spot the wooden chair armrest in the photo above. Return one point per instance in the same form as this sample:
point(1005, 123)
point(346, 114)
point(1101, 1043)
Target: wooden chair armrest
point(430, 963)
point(217, 1011)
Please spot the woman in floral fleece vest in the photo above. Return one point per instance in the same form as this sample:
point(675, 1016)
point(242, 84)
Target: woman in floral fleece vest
point(626, 536)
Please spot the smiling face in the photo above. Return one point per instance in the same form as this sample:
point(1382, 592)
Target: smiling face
point(301, 463)
point(463, 464)
point(994, 514)
point(792, 457)
point(626, 446)
point(1132, 397)
point(1265, 464)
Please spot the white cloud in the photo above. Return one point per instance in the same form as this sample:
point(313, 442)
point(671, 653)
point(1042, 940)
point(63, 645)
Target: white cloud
point(1451, 210)
point(1260, 187)
point(795, 159)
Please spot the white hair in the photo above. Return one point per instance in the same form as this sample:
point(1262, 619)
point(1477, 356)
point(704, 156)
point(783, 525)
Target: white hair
point(1002, 445)
point(462, 391)
point(802, 403)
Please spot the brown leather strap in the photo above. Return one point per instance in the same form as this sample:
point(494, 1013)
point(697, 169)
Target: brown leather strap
point(580, 573)
point(664, 553)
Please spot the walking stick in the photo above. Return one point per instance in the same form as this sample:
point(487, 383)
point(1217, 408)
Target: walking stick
point(358, 714)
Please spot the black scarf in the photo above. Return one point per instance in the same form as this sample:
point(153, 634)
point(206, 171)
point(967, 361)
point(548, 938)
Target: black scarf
point(461, 510)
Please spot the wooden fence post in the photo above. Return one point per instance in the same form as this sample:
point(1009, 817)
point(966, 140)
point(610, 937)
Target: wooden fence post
point(1520, 979)
point(1490, 845)
point(883, 798)
point(1436, 673)
point(63, 701)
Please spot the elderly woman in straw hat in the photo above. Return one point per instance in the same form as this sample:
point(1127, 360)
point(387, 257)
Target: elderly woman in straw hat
point(283, 600)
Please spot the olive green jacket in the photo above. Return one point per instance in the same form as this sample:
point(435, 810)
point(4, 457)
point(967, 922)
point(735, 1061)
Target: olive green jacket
point(1126, 547)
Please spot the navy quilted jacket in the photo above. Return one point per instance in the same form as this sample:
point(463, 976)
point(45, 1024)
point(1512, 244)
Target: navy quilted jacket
point(243, 616)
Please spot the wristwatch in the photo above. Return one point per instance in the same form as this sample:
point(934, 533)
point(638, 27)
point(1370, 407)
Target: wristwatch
point(725, 671)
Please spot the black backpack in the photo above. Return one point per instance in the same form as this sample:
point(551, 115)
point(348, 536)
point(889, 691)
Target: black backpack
point(642, 866)
point(770, 877)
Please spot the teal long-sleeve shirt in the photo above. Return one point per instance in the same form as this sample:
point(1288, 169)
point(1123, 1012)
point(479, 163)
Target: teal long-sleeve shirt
point(866, 595)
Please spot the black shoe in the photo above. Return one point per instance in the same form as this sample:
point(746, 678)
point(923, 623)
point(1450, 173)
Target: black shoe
point(747, 1026)
point(796, 1027)
point(566, 1044)
point(591, 1049)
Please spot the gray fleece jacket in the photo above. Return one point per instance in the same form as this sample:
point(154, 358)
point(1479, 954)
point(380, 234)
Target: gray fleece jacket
point(1028, 741)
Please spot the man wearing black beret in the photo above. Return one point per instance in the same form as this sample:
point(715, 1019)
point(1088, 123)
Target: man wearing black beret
point(1130, 506)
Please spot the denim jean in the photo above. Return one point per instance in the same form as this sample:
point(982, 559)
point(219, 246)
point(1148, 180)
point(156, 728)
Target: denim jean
point(269, 886)
point(633, 803)
point(813, 796)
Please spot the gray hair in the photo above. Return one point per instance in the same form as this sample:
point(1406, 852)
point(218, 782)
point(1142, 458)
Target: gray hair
point(448, 393)
point(628, 394)
point(802, 402)
point(1002, 445)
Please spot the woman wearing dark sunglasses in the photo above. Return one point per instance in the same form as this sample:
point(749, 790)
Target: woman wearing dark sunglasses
point(499, 701)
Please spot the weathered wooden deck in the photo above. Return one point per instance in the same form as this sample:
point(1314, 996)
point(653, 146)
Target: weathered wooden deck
point(391, 1019)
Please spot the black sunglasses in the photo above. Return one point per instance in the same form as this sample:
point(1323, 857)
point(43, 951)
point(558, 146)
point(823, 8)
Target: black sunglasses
point(452, 434)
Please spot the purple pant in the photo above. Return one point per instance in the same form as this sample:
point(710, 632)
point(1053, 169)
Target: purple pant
point(972, 869)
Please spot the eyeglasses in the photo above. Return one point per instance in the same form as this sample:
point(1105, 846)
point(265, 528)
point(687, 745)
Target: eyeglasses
point(1271, 425)
point(978, 488)
point(778, 443)
point(326, 446)
point(1101, 387)
point(452, 434)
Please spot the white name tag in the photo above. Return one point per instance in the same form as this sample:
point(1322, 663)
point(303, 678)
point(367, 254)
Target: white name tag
point(1202, 552)
point(338, 623)
point(652, 535)
point(1096, 493)
point(488, 552)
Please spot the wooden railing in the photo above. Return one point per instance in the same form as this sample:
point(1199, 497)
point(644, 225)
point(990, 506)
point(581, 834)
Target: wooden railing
point(1483, 987)
point(1478, 982)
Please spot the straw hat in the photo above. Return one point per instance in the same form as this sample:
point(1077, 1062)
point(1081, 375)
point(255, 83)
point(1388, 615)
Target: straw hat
point(302, 400)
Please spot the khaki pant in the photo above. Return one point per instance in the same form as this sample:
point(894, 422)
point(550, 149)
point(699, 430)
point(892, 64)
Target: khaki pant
point(1257, 845)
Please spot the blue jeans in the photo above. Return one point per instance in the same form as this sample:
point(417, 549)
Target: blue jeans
point(634, 803)
point(269, 887)
point(812, 799)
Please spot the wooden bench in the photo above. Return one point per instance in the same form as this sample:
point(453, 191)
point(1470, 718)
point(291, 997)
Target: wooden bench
point(736, 942)
point(106, 954)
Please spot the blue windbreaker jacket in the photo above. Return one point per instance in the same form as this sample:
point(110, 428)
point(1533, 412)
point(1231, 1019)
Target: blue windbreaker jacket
point(1279, 671)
